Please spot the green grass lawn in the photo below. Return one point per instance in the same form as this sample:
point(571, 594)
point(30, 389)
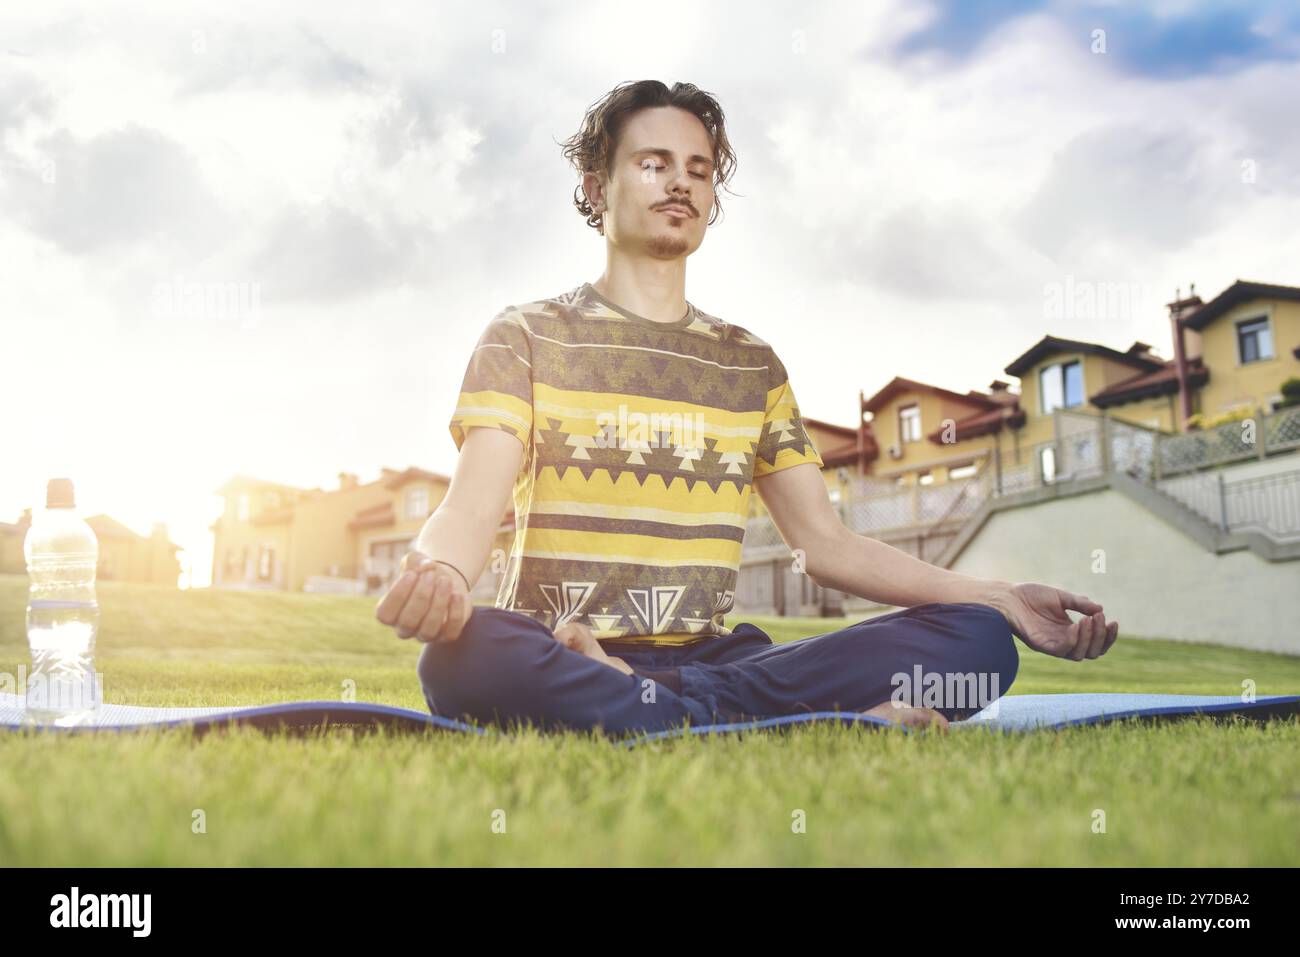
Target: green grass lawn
point(1184, 794)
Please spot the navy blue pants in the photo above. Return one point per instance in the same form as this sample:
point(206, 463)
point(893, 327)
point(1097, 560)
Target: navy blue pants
point(507, 668)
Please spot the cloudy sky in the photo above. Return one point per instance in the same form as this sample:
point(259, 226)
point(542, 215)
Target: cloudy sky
point(241, 241)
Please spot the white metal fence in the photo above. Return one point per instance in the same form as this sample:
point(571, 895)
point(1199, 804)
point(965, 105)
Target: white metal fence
point(1269, 504)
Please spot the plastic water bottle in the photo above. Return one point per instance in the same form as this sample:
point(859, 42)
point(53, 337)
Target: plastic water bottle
point(62, 614)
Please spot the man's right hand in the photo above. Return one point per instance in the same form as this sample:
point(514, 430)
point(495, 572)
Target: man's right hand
point(428, 600)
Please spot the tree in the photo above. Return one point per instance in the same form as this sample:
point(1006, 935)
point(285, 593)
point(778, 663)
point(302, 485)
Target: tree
point(1290, 392)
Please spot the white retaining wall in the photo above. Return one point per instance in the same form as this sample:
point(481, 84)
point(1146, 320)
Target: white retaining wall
point(1157, 582)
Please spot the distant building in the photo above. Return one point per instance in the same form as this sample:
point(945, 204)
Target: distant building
point(1247, 338)
point(921, 433)
point(124, 555)
point(1230, 354)
point(348, 539)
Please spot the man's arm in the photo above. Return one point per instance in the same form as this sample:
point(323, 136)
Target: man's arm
point(464, 525)
point(428, 600)
point(835, 557)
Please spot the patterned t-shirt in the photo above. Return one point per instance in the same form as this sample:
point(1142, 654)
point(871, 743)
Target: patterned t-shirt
point(642, 441)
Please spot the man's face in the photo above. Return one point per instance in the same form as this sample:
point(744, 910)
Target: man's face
point(659, 193)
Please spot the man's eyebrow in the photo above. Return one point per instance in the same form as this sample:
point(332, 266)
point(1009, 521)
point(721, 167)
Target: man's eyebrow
point(668, 154)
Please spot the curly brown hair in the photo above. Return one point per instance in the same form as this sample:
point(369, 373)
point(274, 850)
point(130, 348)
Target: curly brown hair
point(591, 149)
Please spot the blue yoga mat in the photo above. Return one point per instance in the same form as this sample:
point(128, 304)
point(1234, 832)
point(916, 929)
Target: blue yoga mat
point(1013, 713)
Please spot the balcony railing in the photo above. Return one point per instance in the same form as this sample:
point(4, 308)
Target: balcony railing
point(1254, 437)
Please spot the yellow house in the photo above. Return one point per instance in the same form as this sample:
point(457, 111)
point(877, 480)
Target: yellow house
point(923, 434)
point(124, 555)
point(1231, 353)
point(345, 539)
point(1248, 338)
point(1056, 373)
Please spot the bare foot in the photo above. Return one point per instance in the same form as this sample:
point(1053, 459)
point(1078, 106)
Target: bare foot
point(576, 636)
point(908, 716)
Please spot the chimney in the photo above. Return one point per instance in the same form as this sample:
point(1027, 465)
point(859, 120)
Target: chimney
point(1179, 310)
point(1001, 393)
point(347, 480)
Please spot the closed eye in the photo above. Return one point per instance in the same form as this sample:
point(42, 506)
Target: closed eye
point(696, 175)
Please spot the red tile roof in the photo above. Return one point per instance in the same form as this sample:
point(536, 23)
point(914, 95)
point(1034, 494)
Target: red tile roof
point(982, 423)
point(1049, 345)
point(398, 479)
point(1239, 292)
point(842, 448)
point(847, 453)
point(899, 384)
point(1162, 381)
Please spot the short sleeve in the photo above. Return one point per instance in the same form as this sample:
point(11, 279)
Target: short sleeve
point(783, 442)
point(497, 391)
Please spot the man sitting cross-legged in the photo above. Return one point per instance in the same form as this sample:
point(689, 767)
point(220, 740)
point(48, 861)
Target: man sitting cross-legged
point(631, 428)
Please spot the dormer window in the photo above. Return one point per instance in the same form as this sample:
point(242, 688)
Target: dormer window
point(1060, 386)
point(242, 509)
point(909, 423)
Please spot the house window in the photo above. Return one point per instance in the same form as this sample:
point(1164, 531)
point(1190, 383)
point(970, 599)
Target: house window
point(961, 471)
point(265, 562)
point(417, 503)
point(1047, 461)
point(1060, 386)
point(242, 514)
point(926, 478)
point(272, 499)
point(909, 423)
point(1254, 341)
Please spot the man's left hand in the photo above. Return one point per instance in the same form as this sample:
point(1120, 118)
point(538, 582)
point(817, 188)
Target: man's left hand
point(1037, 614)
